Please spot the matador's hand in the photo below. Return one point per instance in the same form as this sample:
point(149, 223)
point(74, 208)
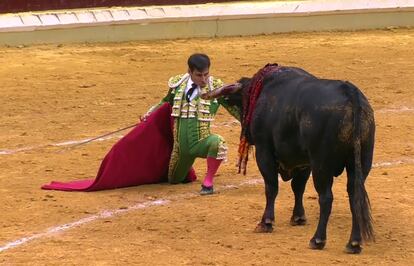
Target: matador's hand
point(144, 117)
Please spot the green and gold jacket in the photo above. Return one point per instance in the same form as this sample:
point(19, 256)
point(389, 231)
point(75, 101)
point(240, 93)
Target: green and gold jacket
point(203, 110)
point(200, 112)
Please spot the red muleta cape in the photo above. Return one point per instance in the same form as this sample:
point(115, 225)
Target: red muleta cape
point(140, 157)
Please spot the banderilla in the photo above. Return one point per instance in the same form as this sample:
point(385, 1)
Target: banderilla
point(98, 137)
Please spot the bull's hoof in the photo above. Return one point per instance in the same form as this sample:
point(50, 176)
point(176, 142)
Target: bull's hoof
point(298, 220)
point(353, 247)
point(264, 228)
point(316, 243)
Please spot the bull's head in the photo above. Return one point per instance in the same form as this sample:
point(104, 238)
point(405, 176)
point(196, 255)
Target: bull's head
point(222, 91)
point(233, 94)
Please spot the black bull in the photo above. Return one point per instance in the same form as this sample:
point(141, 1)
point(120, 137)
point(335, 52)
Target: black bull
point(303, 124)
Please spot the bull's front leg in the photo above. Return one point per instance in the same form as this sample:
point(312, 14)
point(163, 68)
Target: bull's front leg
point(268, 168)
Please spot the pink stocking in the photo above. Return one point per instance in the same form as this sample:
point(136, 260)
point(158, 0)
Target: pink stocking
point(212, 167)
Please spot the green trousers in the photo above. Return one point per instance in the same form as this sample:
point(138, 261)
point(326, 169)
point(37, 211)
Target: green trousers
point(190, 147)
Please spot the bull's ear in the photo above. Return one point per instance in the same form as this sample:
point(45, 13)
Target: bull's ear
point(224, 90)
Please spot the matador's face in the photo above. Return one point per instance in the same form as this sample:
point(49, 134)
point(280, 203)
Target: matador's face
point(200, 77)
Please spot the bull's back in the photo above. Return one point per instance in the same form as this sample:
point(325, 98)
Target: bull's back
point(309, 117)
point(326, 110)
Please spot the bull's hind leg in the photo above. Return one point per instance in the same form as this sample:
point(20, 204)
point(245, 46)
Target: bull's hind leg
point(323, 185)
point(298, 184)
point(355, 240)
point(268, 168)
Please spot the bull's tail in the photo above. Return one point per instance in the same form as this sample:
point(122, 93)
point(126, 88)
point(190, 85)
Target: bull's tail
point(360, 198)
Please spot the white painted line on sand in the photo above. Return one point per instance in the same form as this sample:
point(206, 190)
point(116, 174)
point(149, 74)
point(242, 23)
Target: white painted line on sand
point(60, 144)
point(112, 213)
point(8, 151)
point(393, 163)
point(102, 215)
point(403, 109)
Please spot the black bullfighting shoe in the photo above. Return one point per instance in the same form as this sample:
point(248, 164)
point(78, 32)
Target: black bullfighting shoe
point(206, 190)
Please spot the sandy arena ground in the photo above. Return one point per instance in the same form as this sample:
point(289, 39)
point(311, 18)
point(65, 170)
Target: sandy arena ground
point(55, 94)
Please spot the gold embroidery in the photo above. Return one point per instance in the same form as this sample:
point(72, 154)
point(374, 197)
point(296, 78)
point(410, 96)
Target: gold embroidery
point(222, 149)
point(176, 81)
point(204, 129)
point(174, 153)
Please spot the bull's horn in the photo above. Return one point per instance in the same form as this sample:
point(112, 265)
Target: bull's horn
point(224, 90)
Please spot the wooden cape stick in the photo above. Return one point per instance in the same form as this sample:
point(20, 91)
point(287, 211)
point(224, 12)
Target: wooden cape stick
point(98, 137)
